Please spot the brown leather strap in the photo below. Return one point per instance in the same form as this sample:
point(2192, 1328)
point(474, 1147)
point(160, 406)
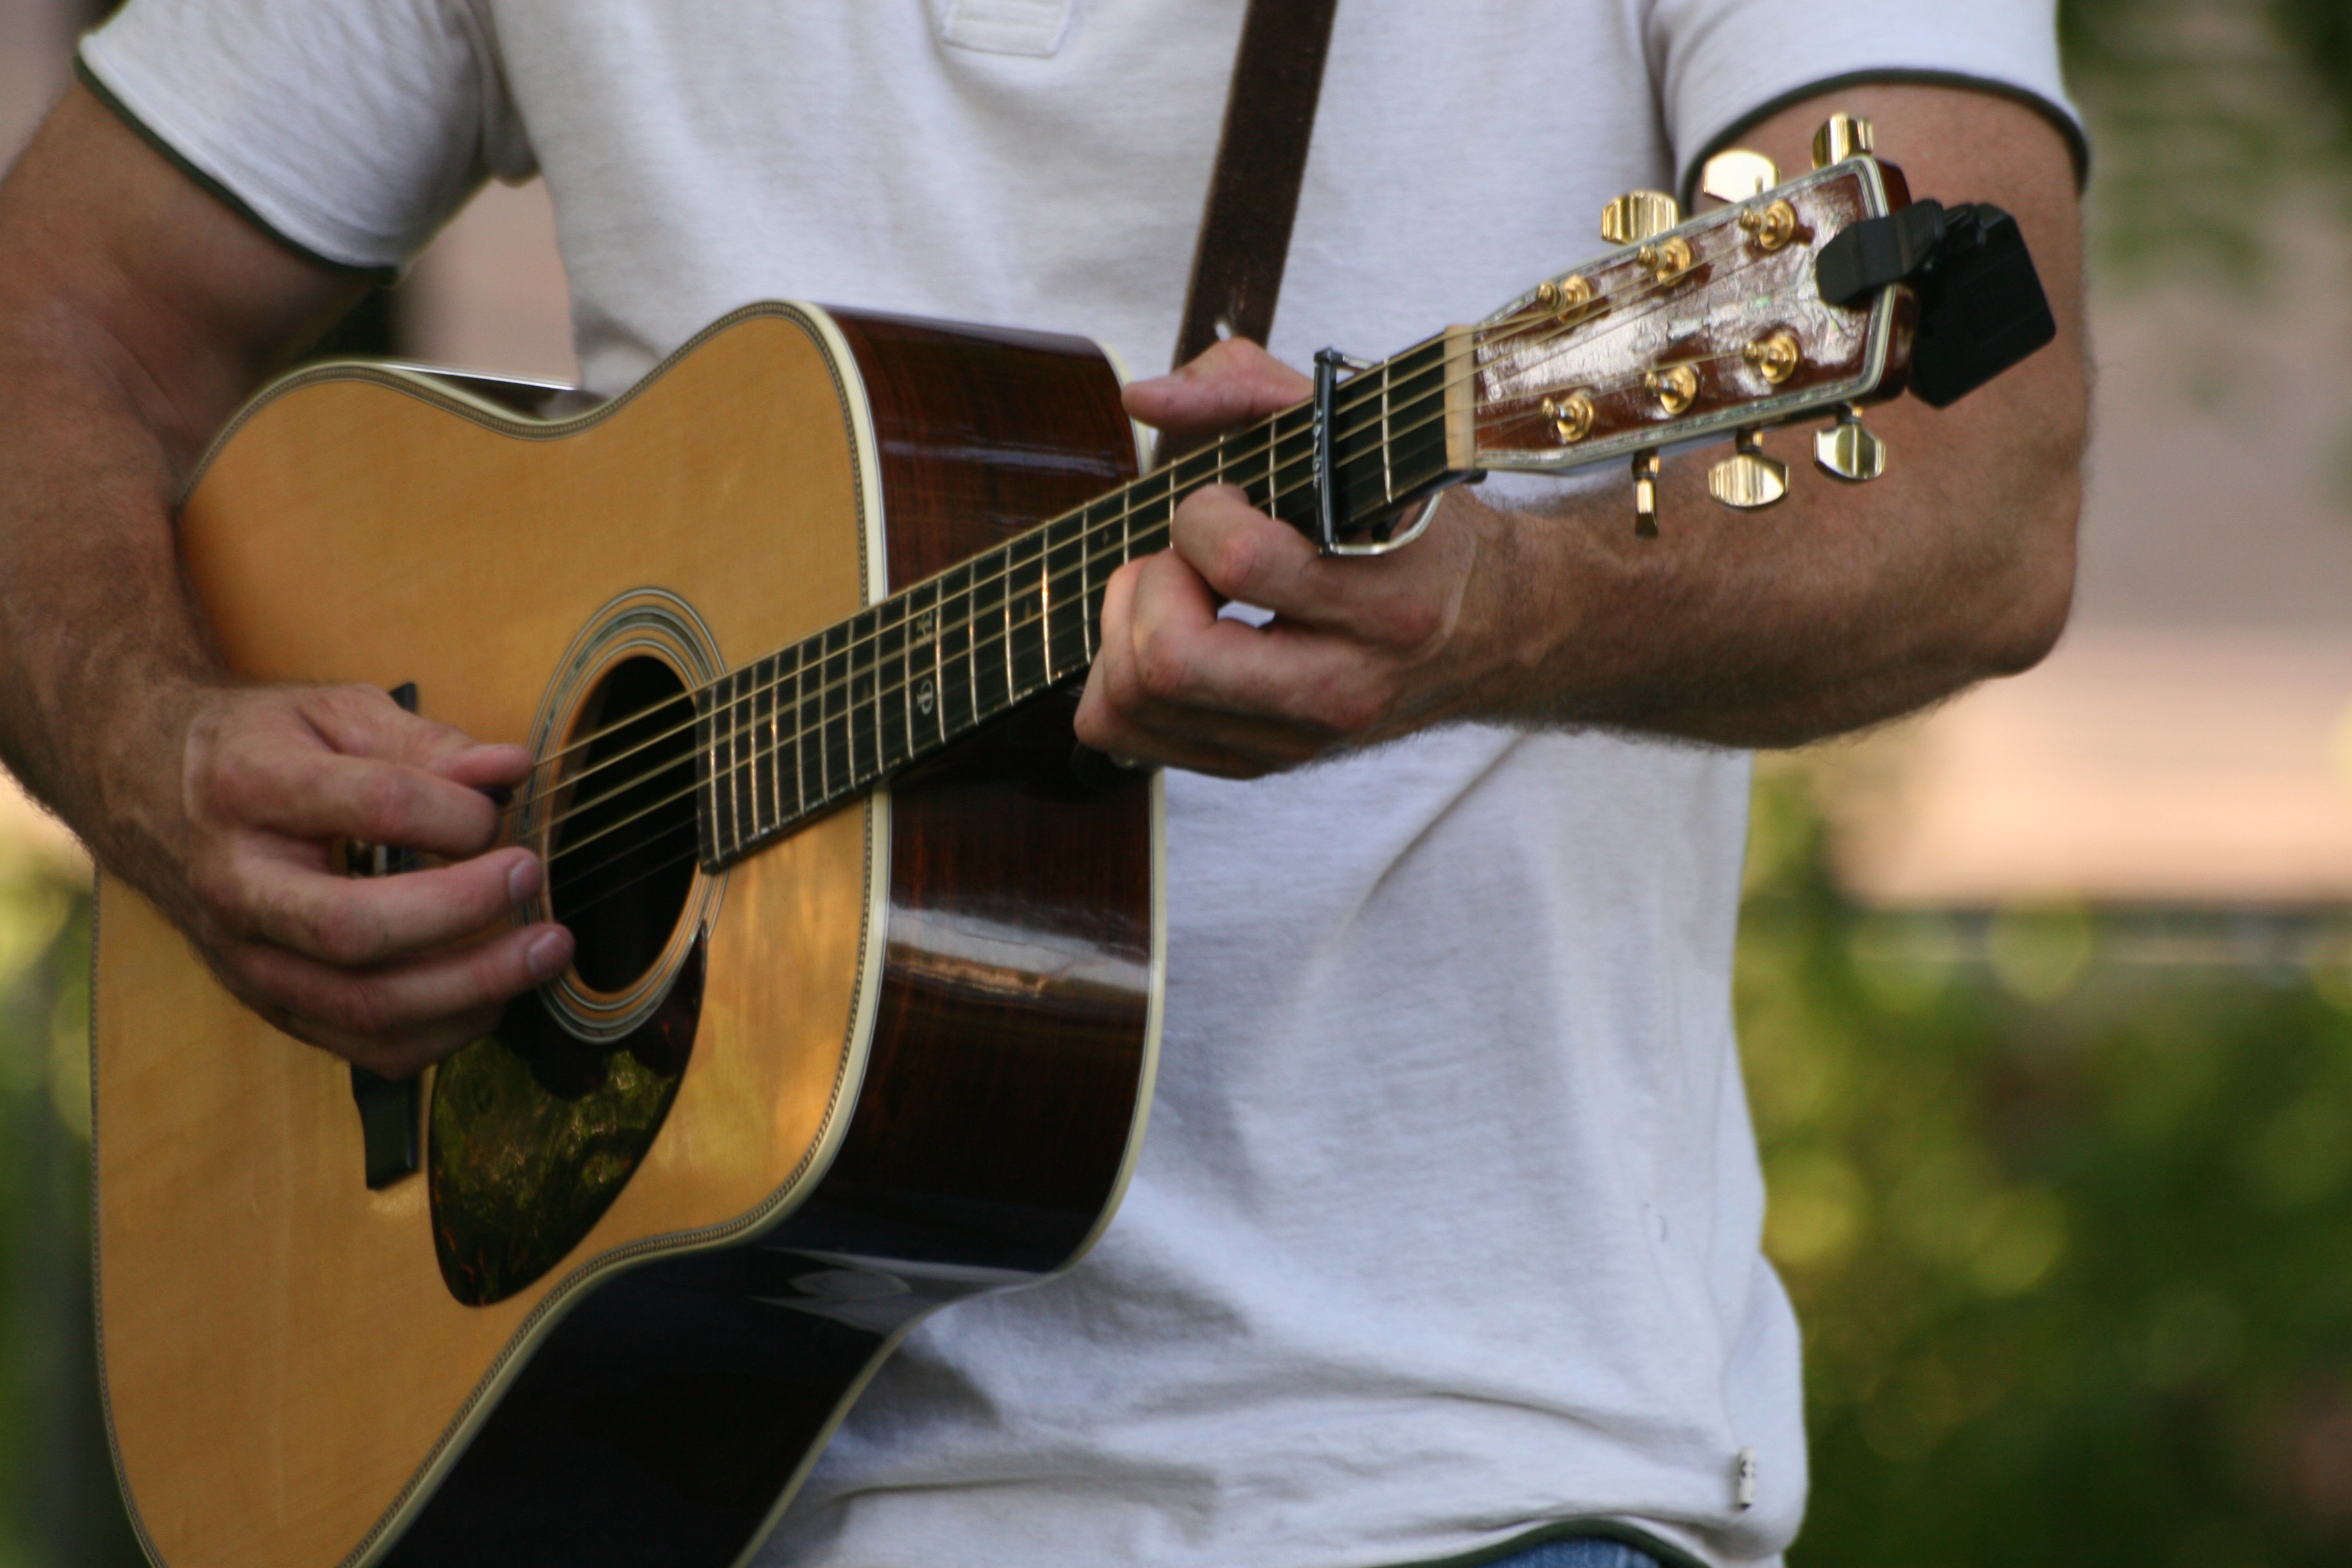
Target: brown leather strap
point(1261, 159)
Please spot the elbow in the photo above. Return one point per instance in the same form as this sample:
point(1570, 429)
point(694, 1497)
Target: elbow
point(2035, 585)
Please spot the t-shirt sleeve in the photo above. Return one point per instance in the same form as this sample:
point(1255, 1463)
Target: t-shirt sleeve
point(350, 129)
point(1722, 65)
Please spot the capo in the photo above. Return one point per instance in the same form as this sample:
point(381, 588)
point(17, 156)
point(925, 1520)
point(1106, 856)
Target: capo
point(1328, 362)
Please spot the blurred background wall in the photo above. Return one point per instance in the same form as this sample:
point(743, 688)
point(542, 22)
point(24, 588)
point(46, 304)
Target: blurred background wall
point(2046, 994)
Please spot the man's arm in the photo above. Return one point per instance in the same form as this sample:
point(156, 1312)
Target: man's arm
point(1842, 605)
point(135, 313)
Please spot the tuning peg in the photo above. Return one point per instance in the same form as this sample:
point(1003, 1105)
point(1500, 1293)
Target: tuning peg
point(1747, 478)
point(1736, 174)
point(1847, 449)
point(1638, 215)
point(1645, 495)
point(1841, 137)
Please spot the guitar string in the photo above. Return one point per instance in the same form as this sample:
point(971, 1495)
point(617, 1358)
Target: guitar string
point(980, 645)
point(1562, 323)
point(1125, 515)
point(1492, 338)
point(759, 750)
point(1048, 579)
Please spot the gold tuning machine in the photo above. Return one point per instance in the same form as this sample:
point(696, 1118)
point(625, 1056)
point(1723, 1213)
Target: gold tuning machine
point(1842, 136)
point(1747, 478)
point(1645, 495)
point(1638, 215)
point(1737, 174)
point(1848, 451)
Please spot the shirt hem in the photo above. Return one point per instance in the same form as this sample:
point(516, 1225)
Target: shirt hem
point(1596, 1529)
point(2078, 145)
point(214, 188)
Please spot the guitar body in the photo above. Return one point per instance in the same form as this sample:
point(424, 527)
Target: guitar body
point(900, 1056)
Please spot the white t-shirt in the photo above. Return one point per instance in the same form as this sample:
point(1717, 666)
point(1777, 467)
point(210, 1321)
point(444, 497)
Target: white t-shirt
point(1446, 1226)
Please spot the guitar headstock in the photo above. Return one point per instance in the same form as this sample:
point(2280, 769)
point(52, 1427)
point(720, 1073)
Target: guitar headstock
point(1795, 296)
point(1696, 329)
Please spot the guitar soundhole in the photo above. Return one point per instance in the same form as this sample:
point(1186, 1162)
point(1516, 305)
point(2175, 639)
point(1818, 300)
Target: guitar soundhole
point(621, 858)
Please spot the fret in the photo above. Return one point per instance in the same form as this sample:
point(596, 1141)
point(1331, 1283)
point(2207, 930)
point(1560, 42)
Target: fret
point(1067, 646)
point(931, 694)
point(1416, 451)
point(1088, 613)
point(808, 722)
point(1024, 616)
point(946, 692)
point(857, 704)
point(1388, 469)
point(1110, 541)
point(1106, 558)
point(960, 686)
point(890, 686)
point(783, 744)
point(984, 654)
point(1126, 499)
point(746, 821)
point(723, 765)
point(836, 765)
point(727, 827)
point(1273, 451)
point(1010, 590)
point(915, 668)
point(759, 691)
point(706, 754)
point(1237, 464)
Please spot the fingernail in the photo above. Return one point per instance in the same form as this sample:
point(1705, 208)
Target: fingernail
point(523, 880)
point(548, 955)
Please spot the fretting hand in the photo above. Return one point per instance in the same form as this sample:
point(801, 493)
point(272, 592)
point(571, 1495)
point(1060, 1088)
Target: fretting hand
point(1359, 649)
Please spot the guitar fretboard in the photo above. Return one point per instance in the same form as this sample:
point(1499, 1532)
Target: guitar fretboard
point(792, 735)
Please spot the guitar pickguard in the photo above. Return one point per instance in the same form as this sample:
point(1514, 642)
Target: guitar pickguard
point(535, 1131)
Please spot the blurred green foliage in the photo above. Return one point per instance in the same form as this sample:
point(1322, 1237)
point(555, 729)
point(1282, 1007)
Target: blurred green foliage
point(57, 1503)
point(2068, 1234)
point(2208, 119)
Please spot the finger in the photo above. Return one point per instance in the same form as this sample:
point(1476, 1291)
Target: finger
point(396, 1019)
point(1241, 553)
point(315, 794)
point(1399, 604)
point(355, 921)
point(1233, 381)
point(487, 767)
point(1191, 660)
point(360, 721)
point(1140, 699)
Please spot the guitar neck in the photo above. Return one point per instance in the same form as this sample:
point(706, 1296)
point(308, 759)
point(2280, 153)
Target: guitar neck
point(792, 735)
point(1713, 327)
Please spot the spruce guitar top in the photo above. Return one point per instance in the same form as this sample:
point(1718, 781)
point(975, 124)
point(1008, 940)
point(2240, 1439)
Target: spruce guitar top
point(865, 1002)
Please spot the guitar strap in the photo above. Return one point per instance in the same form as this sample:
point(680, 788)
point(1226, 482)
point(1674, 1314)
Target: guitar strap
point(1245, 221)
point(1261, 159)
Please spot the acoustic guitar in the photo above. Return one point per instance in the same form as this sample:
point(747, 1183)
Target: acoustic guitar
point(867, 1000)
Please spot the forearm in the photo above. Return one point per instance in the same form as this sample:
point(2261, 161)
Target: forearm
point(94, 626)
point(1839, 608)
point(1844, 604)
point(119, 357)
